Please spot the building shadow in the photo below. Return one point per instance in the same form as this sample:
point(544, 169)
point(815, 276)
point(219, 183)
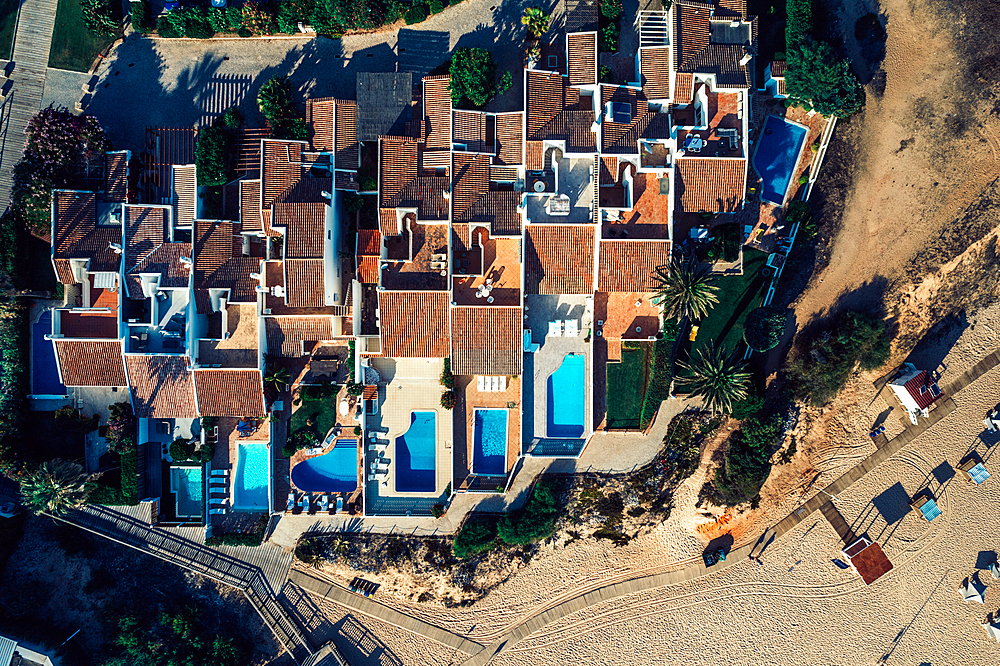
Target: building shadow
point(931, 350)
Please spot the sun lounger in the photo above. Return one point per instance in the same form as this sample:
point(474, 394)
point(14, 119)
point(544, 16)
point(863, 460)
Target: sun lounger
point(571, 328)
point(993, 631)
point(503, 382)
point(371, 477)
point(378, 446)
point(927, 507)
point(215, 501)
point(216, 512)
point(555, 329)
point(995, 570)
point(481, 384)
point(304, 502)
point(324, 503)
point(495, 384)
point(220, 472)
point(972, 592)
point(973, 471)
point(340, 505)
point(291, 503)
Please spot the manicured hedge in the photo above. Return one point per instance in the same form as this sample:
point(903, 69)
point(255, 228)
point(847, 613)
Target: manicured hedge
point(128, 493)
point(13, 375)
point(255, 537)
point(658, 389)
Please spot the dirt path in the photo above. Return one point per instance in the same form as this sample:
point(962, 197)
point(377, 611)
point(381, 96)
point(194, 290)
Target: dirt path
point(925, 150)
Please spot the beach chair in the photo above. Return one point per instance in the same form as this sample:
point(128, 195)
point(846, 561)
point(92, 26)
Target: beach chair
point(927, 507)
point(993, 630)
point(972, 591)
point(324, 503)
point(217, 512)
point(304, 502)
point(291, 503)
point(503, 383)
point(378, 448)
point(994, 570)
point(481, 384)
point(218, 501)
point(495, 384)
point(555, 329)
point(220, 473)
point(973, 471)
point(340, 505)
point(371, 477)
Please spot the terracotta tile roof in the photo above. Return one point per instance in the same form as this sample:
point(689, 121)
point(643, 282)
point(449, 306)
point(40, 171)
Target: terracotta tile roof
point(691, 33)
point(694, 50)
point(716, 184)
point(655, 70)
point(486, 340)
point(400, 186)
point(437, 112)
point(164, 261)
point(285, 335)
point(582, 58)
point(233, 393)
point(368, 268)
point(305, 223)
point(723, 60)
point(348, 155)
point(581, 15)
point(622, 139)
point(369, 242)
point(778, 68)
point(90, 363)
point(510, 136)
point(472, 200)
point(501, 173)
point(469, 127)
point(333, 129)
point(304, 283)
point(320, 119)
point(545, 100)
point(217, 264)
point(185, 194)
point(85, 324)
point(76, 234)
point(161, 386)
point(559, 259)
point(280, 168)
point(536, 156)
point(684, 88)
point(629, 265)
point(432, 160)
point(145, 230)
point(388, 222)
point(250, 216)
point(116, 176)
point(370, 392)
point(414, 324)
point(609, 170)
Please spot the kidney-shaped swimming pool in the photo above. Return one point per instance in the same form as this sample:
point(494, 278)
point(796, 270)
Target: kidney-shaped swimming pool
point(336, 471)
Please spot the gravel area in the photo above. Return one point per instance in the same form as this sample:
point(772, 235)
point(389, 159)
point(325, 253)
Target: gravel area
point(182, 82)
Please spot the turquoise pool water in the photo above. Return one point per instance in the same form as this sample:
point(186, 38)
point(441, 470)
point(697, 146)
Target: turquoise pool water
point(415, 455)
point(489, 455)
point(250, 484)
point(777, 153)
point(186, 484)
point(566, 413)
point(44, 372)
point(336, 471)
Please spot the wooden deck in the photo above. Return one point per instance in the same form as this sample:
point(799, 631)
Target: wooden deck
point(32, 41)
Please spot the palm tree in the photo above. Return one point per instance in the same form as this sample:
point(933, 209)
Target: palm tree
point(716, 375)
point(57, 486)
point(536, 20)
point(276, 378)
point(686, 289)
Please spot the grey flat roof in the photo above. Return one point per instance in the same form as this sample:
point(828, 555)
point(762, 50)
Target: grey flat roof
point(384, 100)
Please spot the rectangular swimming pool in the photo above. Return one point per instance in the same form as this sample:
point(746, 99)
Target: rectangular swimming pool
point(776, 156)
point(336, 471)
point(566, 412)
point(489, 452)
point(44, 372)
point(186, 485)
point(416, 455)
point(251, 482)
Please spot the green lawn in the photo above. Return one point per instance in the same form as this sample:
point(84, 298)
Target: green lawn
point(73, 46)
point(323, 410)
point(8, 21)
point(627, 387)
point(738, 296)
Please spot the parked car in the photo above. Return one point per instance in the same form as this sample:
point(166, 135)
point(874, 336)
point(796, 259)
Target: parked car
point(714, 557)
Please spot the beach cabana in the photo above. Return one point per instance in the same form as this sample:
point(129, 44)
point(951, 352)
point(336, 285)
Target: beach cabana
point(927, 507)
point(973, 471)
point(993, 631)
point(973, 591)
point(995, 570)
point(868, 559)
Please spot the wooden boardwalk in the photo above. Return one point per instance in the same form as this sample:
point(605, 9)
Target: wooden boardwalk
point(259, 572)
point(32, 41)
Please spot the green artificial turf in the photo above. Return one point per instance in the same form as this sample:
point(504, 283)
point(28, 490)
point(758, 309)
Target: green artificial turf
point(8, 21)
point(74, 47)
point(627, 387)
point(325, 412)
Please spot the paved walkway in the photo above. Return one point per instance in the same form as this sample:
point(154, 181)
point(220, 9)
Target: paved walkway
point(32, 41)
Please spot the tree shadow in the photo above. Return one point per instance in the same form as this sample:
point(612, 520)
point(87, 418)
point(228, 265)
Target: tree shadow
point(930, 352)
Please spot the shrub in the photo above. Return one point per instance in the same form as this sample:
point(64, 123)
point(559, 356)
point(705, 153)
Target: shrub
point(830, 353)
point(322, 20)
point(448, 400)
point(798, 25)
point(801, 212)
point(170, 25)
point(210, 156)
point(611, 9)
point(817, 77)
point(142, 17)
point(763, 327)
point(670, 331)
point(478, 534)
point(234, 17)
point(447, 379)
point(352, 202)
point(123, 428)
point(605, 74)
point(291, 128)
point(473, 77)
point(726, 245)
point(336, 16)
point(254, 537)
point(609, 38)
point(127, 493)
point(292, 12)
point(101, 17)
point(218, 18)
point(745, 466)
point(182, 449)
point(206, 452)
point(436, 6)
point(258, 19)
point(355, 389)
point(197, 24)
point(658, 389)
point(748, 406)
point(437, 510)
point(535, 521)
point(275, 99)
point(416, 14)
point(803, 179)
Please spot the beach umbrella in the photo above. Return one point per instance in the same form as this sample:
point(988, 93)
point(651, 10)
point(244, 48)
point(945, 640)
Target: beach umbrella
point(993, 631)
point(972, 592)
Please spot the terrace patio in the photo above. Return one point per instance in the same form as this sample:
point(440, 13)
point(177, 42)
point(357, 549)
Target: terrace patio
point(237, 346)
point(650, 214)
point(226, 457)
point(539, 366)
point(468, 399)
point(573, 199)
point(413, 271)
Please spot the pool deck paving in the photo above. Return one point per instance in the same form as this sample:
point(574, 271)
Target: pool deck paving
point(468, 399)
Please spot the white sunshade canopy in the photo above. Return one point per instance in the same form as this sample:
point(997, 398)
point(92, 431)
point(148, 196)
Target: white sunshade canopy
point(993, 631)
point(971, 592)
point(106, 280)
